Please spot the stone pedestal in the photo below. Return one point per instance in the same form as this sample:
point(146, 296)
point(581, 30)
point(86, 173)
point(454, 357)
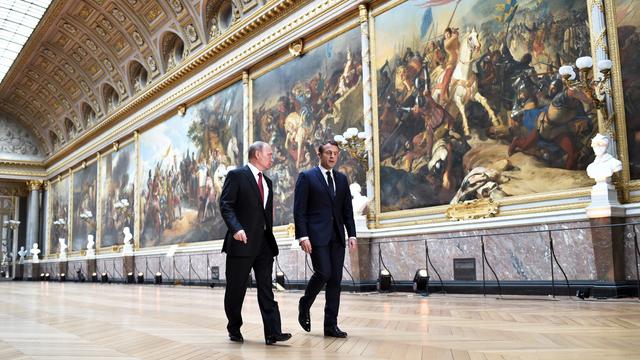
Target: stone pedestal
point(604, 202)
point(608, 251)
point(63, 267)
point(35, 271)
point(128, 265)
point(92, 267)
point(361, 264)
point(19, 272)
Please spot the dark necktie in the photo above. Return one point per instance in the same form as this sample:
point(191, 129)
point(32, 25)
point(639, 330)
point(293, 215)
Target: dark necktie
point(330, 181)
point(261, 188)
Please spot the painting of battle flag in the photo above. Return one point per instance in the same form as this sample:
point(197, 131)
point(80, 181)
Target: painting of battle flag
point(627, 13)
point(84, 206)
point(470, 103)
point(118, 171)
point(184, 163)
point(304, 102)
point(59, 221)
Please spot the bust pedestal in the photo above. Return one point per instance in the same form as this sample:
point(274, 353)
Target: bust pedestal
point(128, 265)
point(604, 202)
point(63, 267)
point(35, 271)
point(91, 266)
point(19, 272)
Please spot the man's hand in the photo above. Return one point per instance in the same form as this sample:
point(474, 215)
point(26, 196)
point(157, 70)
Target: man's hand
point(240, 236)
point(306, 246)
point(352, 243)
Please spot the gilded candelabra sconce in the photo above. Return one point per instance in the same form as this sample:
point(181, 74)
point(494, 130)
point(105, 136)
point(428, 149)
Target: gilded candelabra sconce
point(354, 142)
point(123, 209)
point(596, 87)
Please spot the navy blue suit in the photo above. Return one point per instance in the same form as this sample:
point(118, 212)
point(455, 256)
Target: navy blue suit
point(323, 218)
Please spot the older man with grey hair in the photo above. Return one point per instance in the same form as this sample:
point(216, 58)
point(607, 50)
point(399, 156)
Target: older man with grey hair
point(246, 205)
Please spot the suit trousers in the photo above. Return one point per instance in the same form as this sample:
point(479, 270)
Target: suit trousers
point(237, 274)
point(327, 266)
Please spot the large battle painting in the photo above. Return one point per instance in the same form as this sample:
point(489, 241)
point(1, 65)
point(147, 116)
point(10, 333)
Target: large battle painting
point(470, 103)
point(184, 164)
point(117, 184)
point(303, 102)
point(627, 13)
point(84, 206)
point(59, 221)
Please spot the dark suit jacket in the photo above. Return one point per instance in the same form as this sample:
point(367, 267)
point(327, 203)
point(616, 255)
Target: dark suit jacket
point(241, 209)
point(316, 214)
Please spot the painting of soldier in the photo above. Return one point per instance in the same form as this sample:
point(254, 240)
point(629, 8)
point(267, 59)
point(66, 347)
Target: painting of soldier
point(59, 220)
point(469, 85)
point(303, 102)
point(627, 14)
point(84, 206)
point(184, 162)
point(118, 171)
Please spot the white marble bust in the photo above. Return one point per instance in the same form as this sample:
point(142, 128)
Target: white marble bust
point(604, 165)
point(63, 248)
point(128, 237)
point(35, 252)
point(359, 202)
point(90, 246)
point(22, 254)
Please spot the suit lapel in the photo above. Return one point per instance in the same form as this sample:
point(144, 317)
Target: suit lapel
point(253, 182)
point(322, 180)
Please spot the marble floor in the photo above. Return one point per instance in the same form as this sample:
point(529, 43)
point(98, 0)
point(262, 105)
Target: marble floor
point(51, 320)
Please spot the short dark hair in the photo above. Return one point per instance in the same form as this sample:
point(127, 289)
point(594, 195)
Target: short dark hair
point(448, 30)
point(255, 147)
point(327, 142)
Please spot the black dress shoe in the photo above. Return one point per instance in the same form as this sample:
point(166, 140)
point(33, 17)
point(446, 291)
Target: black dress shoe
point(272, 339)
point(236, 337)
point(304, 318)
point(334, 331)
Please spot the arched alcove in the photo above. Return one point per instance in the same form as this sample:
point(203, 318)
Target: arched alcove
point(70, 128)
point(88, 115)
point(138, 76)
point(172, 50)
point(110, 98)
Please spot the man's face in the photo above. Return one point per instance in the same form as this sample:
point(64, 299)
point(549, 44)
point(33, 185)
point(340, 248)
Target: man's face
point(329, 156)
point(264, 158)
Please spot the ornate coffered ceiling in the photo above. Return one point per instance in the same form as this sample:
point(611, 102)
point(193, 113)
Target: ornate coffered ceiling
point(89, 58)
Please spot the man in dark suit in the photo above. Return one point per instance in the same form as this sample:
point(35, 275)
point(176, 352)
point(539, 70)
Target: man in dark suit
point(246, 205)
point(322, 209)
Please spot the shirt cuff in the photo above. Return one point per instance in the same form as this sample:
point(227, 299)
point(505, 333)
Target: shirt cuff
point(352, 238)
point(303, 239)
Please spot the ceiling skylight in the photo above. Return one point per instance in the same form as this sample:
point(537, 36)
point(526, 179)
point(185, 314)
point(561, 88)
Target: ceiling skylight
point(18, 18)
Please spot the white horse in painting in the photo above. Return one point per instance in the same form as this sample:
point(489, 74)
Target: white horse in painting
point(464, 85)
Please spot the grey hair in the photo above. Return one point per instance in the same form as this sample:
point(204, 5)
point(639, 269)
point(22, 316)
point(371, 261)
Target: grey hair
point(255, 147)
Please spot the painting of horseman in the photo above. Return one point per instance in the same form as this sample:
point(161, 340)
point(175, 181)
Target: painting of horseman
point(464, 85)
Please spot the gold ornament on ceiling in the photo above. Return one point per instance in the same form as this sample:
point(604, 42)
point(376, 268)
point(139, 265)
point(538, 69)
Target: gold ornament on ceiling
point(137, 38)
point(91, 45)
point(296, 47)
point(118, 14)
point(101, 31)
point(182, 109)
